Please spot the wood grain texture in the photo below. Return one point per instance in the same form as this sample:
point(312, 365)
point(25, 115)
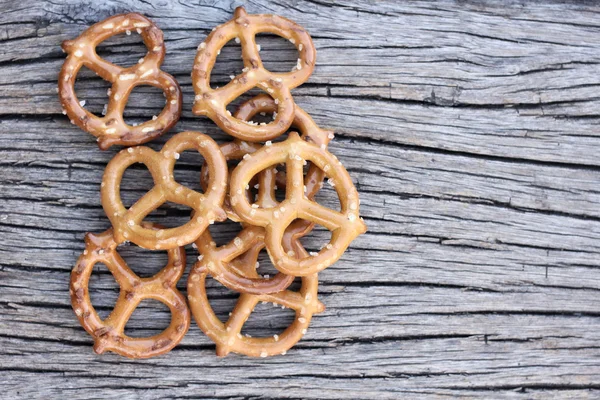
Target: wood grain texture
point(471, 130)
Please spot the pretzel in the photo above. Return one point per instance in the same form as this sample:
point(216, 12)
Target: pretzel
point(212, 102)
point(109, 333)
point(237, 149)
point(345, 225)
point(228, 336)
point(222, 261)
point(206, 207)
point(112, 129)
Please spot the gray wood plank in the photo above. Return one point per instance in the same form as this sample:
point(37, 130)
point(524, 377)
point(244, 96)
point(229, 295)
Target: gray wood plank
point(471, 132)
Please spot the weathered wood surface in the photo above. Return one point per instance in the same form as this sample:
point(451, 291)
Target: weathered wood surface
point(472, 132)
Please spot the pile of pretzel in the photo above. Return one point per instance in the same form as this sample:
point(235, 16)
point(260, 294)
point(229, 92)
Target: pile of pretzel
point(267, 223)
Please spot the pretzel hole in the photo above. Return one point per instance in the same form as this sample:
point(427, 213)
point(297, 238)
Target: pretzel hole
point(277, 194)
point(268, 319)
point(103, 289)
point(314, 241)
point(227, 64)
point(91, 91)
point(187, 169)
point(150, 318)
point(296, 285)
point(144, 104)
point(221, 299)
point(170, 215)
point(244, 97)
point(145, 263)
point(122, 49)
point(327, 195)
point(277, 53)
point(224, 232)
point(265, 266)
point(136, 182)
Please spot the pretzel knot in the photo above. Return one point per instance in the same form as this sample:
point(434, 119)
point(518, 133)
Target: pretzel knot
point(206, 207)
point(345, 225)
point(112, 129)
point(212, 102)
point(109, 333)
point(228, 336)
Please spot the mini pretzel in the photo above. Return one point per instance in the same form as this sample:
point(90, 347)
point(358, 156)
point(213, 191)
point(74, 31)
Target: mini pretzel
point(345, 225)
point(109, 334)
point(212, 102)
point(112, 129)
point(237, 149)
point(207, 206)
point(228, 336)
point(222, 261)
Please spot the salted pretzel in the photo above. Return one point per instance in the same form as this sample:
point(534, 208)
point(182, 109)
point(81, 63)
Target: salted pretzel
point(109, 333)
point(112, 129)
point(228, 336)
point(213, 102)
point(345, 225)
point(221, 262)
point(237, 149)
point(206, 207)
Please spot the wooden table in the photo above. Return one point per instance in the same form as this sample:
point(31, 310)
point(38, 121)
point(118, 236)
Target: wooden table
point(472, 132)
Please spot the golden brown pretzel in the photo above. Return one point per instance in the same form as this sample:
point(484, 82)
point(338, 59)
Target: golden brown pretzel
point(207, 206)
point(237, 149)
point(212, 102)
point(228, 336)
point(345, 225)
point(221, 262)
point(112, 129)
point(109, 333)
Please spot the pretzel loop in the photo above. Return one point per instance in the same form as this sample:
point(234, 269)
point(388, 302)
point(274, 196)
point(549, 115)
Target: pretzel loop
point(345, 225)
point(212, 102)
point(112, 129)
point(228, 336)
point(207, 207)
point(109, 333)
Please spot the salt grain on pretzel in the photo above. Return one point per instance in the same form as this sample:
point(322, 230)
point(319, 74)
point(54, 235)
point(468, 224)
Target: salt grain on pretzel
point(111, 128)
point(345, 225)
point(109, 333)
point(213, 102)
point(228, 337)
point(206, 207)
